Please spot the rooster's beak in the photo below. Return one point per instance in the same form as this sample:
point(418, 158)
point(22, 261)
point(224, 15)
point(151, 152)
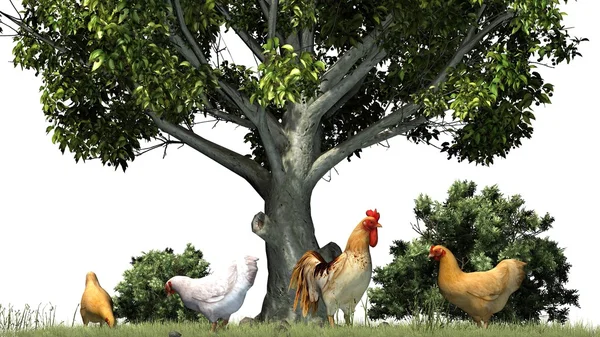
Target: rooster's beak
point(379, 225)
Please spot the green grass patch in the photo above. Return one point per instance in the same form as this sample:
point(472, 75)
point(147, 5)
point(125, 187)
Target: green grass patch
point(40, 322)
point(12, 319)
point(298, 330)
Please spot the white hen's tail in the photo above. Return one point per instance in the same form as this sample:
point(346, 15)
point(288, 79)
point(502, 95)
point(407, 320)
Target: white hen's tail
point(251, 268)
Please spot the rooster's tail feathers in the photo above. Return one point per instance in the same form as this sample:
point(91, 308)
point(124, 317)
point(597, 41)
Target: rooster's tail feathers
point(303, 280)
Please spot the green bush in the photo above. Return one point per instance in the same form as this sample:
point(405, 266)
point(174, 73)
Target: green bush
point(141, 295)
point(480, 230)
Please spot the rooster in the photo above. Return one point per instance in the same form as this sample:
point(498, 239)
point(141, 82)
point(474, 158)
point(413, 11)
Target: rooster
point(96, 305)
point(219, 295)
point(480, 294)
point(341, 282)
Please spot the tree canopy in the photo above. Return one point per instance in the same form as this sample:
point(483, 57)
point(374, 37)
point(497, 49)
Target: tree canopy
point(119, 72)
point(141, 296)
point(480, 230)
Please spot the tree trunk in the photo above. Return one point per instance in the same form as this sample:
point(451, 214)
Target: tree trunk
point(288, 231)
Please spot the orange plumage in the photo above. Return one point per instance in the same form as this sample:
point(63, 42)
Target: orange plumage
point(96, 304)
point(343, 281)
point(480, 294)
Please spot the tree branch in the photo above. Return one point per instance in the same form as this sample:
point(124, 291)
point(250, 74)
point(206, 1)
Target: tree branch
point(228, 117)
point(273, 155)
point(253, 112)
point(272, 23)
point(395, 131)
point(329, 159)
point(329, 98)
point(186, 32)
point(244, 36)
point(474, 27)
point(307, 40)
point(294, 41)
point(263, 7)
point(185, 50)
point(29, 30)
point(468, 44)
point(334, 74)
point(241, 101)
point(245, 167)
point(345, 98)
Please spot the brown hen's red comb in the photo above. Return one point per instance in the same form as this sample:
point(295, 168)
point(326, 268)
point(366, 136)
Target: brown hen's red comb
point(374, 213)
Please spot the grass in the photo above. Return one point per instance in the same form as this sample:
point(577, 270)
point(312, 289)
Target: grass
point(298, 330)
point(40, 322)
point(12, 319)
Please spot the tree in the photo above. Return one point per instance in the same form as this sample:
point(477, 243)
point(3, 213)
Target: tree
point(141, 295)
point(480, 230)
point(331, 79)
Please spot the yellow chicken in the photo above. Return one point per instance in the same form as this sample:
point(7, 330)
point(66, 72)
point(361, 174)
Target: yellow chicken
point(96, 305)
point(482, 293)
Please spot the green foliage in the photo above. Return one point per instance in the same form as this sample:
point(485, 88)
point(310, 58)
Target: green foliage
point(104, 64)
point(284, 78)
point(480, 230)
point(108, 61)
point(141, 295)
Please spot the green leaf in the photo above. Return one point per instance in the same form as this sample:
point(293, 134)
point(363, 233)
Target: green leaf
point(95, 54)
point(97, 64)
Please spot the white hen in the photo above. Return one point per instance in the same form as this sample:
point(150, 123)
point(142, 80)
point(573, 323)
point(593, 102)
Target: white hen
point(218, 295)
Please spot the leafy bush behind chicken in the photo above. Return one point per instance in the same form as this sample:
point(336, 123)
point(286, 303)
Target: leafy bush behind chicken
point(480, 230)
point(141, 295)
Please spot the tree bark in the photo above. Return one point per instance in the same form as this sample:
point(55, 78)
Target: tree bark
point(288, 232)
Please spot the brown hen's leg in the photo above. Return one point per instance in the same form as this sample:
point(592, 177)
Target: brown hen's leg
point(485, 324)
point(347, 319)
point(331, 322)
point(213, 327)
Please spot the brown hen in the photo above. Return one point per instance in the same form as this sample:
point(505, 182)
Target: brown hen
point(480, 294)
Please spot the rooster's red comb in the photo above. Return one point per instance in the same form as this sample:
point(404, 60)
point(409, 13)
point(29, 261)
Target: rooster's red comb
point(373, 213)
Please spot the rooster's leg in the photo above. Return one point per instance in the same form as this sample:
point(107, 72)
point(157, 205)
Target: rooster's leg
point(224, 323)
point(347, 318)
point(331, 322)
point(213, 327)
point(348, 314)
